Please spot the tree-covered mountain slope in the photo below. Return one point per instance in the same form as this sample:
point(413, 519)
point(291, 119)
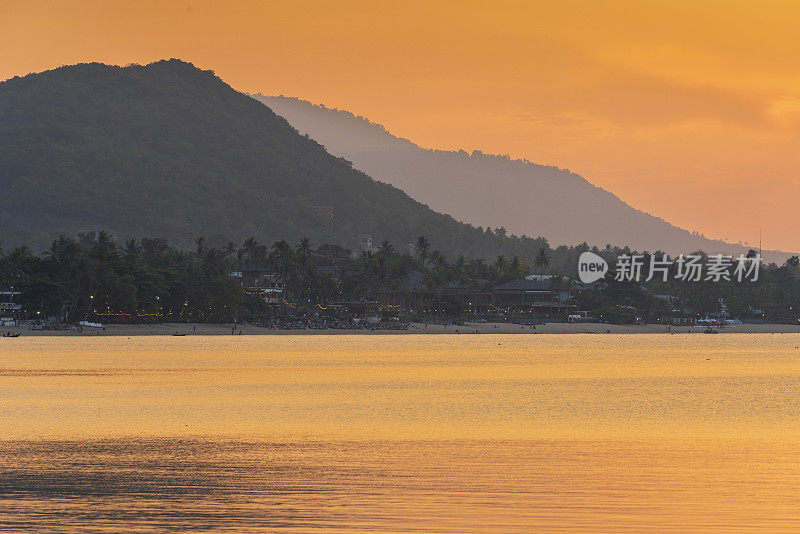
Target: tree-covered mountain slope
point(170, 150)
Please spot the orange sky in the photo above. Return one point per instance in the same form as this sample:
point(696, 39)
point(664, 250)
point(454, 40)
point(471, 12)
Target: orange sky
point(687, 110)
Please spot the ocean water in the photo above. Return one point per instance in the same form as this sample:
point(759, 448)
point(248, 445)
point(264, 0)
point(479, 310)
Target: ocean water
point(407, 433)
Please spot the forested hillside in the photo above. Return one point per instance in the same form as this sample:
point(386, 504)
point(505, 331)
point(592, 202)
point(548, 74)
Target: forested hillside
point(172, 151)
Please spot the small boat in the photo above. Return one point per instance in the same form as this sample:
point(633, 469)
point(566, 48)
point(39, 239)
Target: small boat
point(710, 330)
point(177, 334)
point(9, 334)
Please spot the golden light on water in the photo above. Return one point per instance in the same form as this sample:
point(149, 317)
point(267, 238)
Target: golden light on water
point(580, 433)
point(398, 387)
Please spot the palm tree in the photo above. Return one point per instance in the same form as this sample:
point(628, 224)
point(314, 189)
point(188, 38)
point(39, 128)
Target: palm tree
point(304, 253)
point(422, 246)
point(500, 264)
point(385, 247)
point(230, 248)
point(437, 259)
point(334, 254)
point(304, 247)
point(200, 241)
point(104, 242)
point(66, 255)
point(250, 248)
point(517, 267)
point(155, 251)
point(283, 256)
point(460, 267)
point(213, 263)
point(131, 249)
point(542, 260)
point(477, 268)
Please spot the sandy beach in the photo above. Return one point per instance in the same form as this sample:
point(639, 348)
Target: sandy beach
point(168, 329)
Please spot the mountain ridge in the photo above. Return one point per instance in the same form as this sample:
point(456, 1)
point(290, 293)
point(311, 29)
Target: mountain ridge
point(455, 182)
point(169, 150)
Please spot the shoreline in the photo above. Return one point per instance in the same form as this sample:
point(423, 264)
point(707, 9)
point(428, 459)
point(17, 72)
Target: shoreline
point(203, 329)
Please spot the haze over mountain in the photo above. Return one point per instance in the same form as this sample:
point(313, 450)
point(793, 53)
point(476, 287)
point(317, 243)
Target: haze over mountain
point(487, 190)
point(172, 151)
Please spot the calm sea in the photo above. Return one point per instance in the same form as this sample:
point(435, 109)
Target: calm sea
point(415, 433)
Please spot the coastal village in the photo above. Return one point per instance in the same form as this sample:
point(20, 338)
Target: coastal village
point(365, 288)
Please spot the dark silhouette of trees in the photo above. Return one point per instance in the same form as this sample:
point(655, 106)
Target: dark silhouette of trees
point(422, 247)
point(542, 260)
point(91, 277)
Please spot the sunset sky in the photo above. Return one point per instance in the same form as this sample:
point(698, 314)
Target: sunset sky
point(687, 110)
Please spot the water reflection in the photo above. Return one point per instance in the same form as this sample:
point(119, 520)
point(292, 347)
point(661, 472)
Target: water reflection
point(430, 486)
point(391, 434)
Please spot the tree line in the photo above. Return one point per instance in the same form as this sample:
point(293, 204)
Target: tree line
point(92, 275)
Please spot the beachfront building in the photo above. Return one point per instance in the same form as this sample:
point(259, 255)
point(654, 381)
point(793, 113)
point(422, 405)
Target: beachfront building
point(10, 311)
point(523, 299)
point(534, 299)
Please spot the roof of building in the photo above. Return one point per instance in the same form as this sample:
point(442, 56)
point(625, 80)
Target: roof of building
point(524, 285)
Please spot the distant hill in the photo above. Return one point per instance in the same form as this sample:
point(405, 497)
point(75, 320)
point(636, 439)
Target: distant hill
point(170, 150)
point(481, 189)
